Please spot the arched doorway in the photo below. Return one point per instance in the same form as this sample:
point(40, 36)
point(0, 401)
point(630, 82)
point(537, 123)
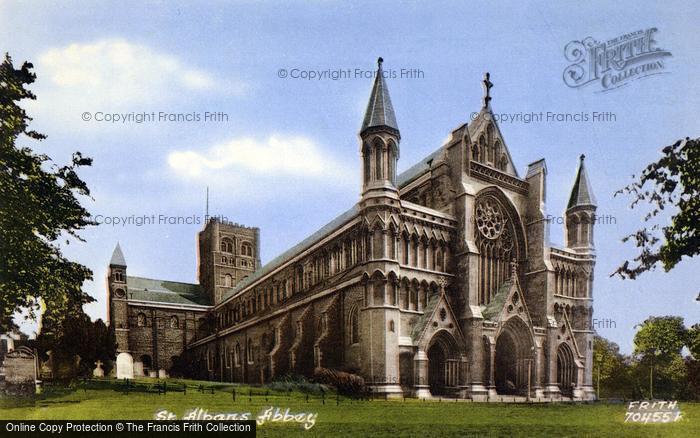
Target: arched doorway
point(514, 358)
point(443, 364)
point(436, 369)
point(506, 365)
point(566, 370)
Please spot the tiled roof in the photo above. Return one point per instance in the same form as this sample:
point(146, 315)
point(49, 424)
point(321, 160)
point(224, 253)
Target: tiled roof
point(163, 291)
point(295, 250)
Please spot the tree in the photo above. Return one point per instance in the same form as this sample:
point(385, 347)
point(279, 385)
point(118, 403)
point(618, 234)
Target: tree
point(38, 207)
point(605, 357)
point(693, 373)
point(611, 370)
point(661, 336)
point(91, 341)
point(673, 181)
point(694, 341)
point(658, 344)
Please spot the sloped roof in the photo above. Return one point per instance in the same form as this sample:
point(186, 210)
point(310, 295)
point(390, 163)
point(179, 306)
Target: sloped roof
point(418, 169)
point(164, 291)
point(493, 309)
point(423, 166)
point(581, 193)
point(117, 257)
point(379, 111)
point(424, 319)
point(296, 249)
point(486, 116)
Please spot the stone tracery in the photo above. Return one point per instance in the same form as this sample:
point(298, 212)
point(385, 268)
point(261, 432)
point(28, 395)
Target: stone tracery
point(496, 242)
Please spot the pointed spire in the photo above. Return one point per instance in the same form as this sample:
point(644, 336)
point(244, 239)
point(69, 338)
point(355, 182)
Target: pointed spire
point(581, 193)
point(117, 257)
point(379, 111)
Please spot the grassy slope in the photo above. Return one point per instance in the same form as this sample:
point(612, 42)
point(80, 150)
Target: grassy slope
point(364, 418)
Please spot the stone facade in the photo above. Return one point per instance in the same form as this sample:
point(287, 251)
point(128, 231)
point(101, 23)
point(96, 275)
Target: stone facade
point(440, 280)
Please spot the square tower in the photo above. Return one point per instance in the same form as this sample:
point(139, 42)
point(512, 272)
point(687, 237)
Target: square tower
point(228, 253)
point(117, 311)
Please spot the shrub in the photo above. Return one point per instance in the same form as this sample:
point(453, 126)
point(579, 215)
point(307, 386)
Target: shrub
point(345, 383)
point(299, 383)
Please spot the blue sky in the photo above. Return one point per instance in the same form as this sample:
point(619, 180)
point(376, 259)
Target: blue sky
point(286, 160)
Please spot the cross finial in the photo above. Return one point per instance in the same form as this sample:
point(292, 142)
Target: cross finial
point(582, 157)
point(514, 268)
point(487, 89)
point(379, 62)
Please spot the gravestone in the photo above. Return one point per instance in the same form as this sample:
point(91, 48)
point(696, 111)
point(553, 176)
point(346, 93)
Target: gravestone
point(162, 374)
point(59, 366)
point(21, 371)
point(153, 373)
point(7, 344)
point(138, 369)
point(98, 371)
point(46, 368)
point(125, 366)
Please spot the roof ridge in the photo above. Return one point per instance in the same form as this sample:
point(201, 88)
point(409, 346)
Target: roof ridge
point(294, 250)
point(160, 279)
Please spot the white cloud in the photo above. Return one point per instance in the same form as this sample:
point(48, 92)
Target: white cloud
point(278, 156)
point(115, 74)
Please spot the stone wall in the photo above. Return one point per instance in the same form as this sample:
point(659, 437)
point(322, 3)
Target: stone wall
point(160, 338)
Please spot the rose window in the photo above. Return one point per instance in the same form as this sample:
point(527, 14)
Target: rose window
point(490, 220)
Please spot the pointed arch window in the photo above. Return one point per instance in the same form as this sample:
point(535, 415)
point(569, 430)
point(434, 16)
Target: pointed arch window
point(174, 322)
point(476, 155)
point(354, 325)
point(414, 251)
point(406, 249)
point(367, 162)
point(141, 320)
point(227, 356)
point(504, 163)
point(496, 240)
point(393, 156)
point(404, 295)
point(378, 160)
point(439, 258)
point(482, 149)
point(249, 351)
point(498, 155)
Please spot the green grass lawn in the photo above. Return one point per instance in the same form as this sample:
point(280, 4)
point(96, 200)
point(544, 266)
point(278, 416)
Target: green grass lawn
point(356, 418)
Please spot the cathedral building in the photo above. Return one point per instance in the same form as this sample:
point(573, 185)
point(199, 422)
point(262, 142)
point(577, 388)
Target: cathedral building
point(441, 280)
